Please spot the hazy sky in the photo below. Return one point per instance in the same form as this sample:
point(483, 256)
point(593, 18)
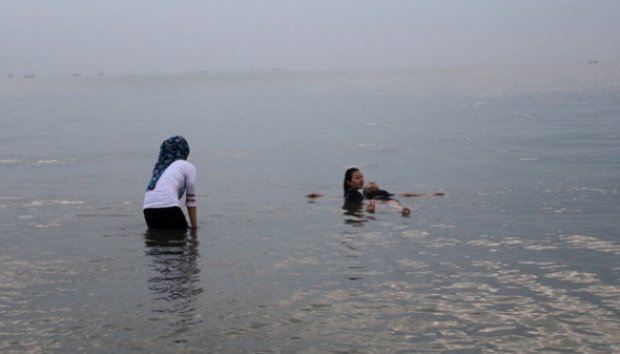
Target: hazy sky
point(169, 36)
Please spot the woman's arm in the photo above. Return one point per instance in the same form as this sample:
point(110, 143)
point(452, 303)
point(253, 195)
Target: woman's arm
point(191, 211)
point(372, 206)
point(190, 195)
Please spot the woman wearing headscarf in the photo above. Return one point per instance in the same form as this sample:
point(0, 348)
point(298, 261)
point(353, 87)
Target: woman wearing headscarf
point(172, 177)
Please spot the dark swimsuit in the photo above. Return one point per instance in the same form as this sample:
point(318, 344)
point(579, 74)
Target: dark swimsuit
point(379, 194)
point(165, 218)
point(353, 197)
point(353, 200)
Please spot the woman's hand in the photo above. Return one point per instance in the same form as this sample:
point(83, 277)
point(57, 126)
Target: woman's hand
point(371, 207)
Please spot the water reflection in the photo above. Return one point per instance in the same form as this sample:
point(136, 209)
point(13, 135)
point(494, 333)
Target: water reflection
point(174, 256)
point(354, 213)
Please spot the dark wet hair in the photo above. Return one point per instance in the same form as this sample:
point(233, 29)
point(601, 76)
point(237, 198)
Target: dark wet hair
point(347, 178)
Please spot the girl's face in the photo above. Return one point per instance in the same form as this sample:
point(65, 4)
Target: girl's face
point(357, 180)
point(372, 186)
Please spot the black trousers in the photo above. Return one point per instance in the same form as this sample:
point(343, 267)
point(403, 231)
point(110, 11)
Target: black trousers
point(165, 218)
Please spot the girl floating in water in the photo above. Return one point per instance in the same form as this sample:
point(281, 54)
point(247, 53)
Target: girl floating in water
point(172, 177)
point(374, 194)
point(354, 181)
point(353, 199)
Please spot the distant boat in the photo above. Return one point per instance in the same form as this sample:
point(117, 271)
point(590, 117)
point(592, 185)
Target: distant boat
point(29, 76)
point(77, 74)
point(593, 61)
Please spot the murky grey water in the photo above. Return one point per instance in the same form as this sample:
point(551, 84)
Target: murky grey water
point(521, 255)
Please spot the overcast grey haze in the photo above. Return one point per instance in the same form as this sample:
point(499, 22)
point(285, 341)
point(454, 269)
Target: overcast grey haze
point(117, 37)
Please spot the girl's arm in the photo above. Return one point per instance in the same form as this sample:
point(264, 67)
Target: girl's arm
point(411, 194)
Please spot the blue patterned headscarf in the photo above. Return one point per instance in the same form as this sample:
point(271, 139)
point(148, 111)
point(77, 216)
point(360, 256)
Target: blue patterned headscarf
point(172, 149)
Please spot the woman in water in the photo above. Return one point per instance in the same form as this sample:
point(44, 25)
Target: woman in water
point(172, 177)
point(354, 181)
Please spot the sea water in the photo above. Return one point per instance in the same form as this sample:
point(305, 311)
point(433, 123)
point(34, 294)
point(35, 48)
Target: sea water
point(520, 255)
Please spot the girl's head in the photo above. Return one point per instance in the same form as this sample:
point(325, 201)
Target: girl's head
point(371, 187)
point(353, 180)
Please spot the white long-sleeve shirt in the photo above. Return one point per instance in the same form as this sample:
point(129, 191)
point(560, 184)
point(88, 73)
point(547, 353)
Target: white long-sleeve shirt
point(179, 177)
